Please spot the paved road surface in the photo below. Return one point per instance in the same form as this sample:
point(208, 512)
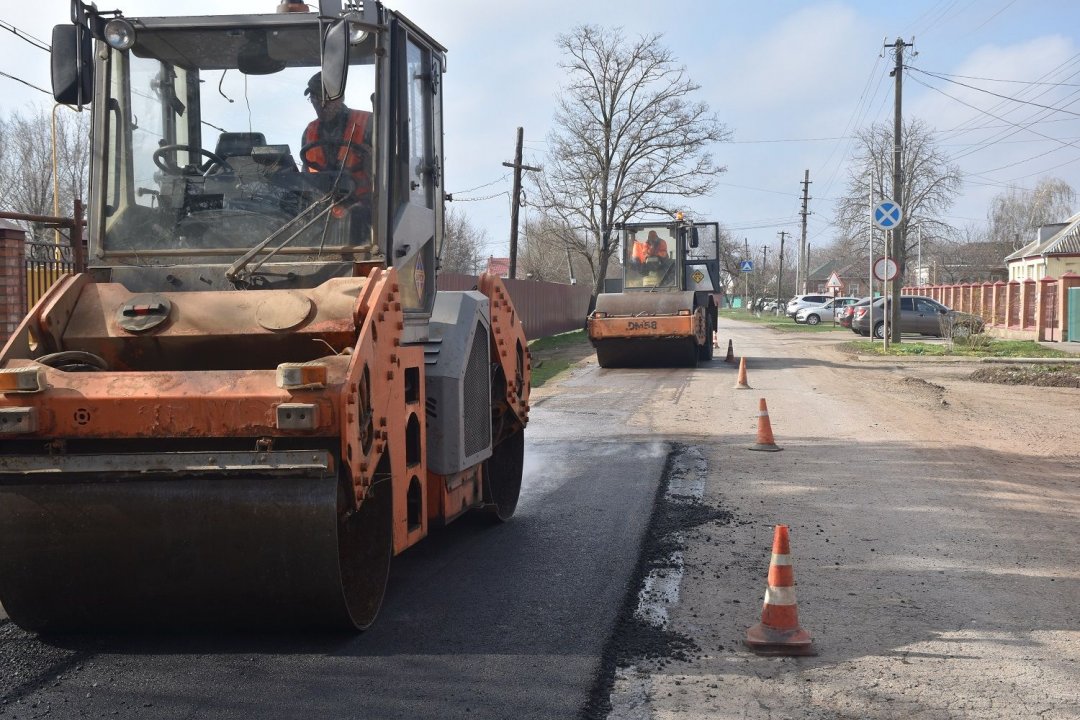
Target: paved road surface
point(479, 622)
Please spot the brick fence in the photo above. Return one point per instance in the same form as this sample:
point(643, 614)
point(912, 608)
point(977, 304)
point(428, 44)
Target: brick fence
point(1019, 310)
point(12, 278)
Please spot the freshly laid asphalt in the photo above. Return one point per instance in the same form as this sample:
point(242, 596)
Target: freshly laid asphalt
point(479, 621)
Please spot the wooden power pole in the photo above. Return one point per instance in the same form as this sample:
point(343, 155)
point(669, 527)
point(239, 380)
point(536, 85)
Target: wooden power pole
point(802, 274)
point(515, 203)
point(896, 248)
point(780, 275)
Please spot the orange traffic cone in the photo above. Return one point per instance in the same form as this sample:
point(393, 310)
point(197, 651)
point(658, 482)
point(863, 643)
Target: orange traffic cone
point(741, 383)
point(730, 353)
point(779, 633)
point(765, 439)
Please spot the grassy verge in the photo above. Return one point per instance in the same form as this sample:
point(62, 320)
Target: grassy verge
point(782, 323)
point(552, 355)
point(980, 348)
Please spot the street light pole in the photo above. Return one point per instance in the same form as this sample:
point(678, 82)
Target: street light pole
point(780, 275)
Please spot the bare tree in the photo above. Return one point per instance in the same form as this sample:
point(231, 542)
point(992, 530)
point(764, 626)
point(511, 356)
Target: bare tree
point(1015, 213)
point(628, 140)
point(5, 181)
point(73, 157)
point(731, 254)
point(543, 254)
point(26, 162)
point(462, 245)
point(929, 188)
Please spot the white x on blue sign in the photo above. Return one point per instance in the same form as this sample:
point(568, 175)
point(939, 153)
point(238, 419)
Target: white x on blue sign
point(887, 215)
point(746, 266)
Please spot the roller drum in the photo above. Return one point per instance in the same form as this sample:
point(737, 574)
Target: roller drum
point(229, 552)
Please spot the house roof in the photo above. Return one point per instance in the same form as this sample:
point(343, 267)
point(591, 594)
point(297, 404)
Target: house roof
point(822, 272)
point(1065, 241)
point(499, 266)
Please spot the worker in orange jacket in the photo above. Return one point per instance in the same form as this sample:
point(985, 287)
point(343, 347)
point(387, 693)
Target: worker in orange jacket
point(652, 247)
point(339, 138)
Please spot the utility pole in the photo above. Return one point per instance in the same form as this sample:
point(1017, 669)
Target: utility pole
point(896, 249)
point(780, 275)
point(764, 262)
point(515, 203)
point(802, 274)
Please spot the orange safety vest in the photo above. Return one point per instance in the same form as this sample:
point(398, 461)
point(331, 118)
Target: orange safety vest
point(641, 251)
point(354, 135)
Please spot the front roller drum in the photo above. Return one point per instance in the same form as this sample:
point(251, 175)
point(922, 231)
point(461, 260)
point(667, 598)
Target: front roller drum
point(193, 552)
point(646, 352)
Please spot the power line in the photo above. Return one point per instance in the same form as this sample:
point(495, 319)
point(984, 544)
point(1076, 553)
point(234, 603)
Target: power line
point(990, 92)
point(487, 197)
point(1000, 137)
point(943, 75)
point(25, 36)
point(996, 117)
point(481, 187)
point(855, 120)
point(788, 140)
point(16, 79)
point(764, 190)
point(1003, 9)
point(983, 124)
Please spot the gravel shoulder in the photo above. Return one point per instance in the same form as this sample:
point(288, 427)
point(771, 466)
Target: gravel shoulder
point(933, 535)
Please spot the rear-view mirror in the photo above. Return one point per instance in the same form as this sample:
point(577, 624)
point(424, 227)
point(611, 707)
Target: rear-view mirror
point(335, 59)
point(72, 65)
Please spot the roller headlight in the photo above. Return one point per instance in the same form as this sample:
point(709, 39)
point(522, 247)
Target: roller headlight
point(119, 34)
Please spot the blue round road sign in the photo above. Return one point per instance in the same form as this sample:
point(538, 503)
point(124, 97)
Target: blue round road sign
point(887, 215)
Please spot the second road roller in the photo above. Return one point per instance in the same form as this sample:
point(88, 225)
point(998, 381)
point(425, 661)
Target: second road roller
point(666, 314)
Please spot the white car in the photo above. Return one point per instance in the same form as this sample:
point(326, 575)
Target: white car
point(798, 302)
point(814, 314)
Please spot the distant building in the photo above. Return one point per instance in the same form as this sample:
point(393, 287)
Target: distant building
point(840, 278)
point(1054, 252)
point(498, 266)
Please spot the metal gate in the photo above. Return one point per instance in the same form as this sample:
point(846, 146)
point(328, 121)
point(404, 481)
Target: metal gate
point(46, 263)
point(1074, 315)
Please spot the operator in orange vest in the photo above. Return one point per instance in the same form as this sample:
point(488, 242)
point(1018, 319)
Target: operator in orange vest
point(652, 247)
point(342, 138)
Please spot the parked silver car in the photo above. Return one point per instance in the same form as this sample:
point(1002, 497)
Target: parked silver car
point(814, 314)
point(917, 315)
point(797, 303)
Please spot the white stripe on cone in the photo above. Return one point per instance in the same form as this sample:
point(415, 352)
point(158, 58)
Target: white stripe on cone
point(779, 595)
point(781, 559)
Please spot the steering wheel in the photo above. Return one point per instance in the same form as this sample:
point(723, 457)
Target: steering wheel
point(333, 148)
point(164, 158)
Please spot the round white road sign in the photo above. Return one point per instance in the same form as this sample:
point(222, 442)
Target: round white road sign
point(885, 268)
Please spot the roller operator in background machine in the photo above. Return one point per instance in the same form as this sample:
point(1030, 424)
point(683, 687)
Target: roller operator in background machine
point(254, 397)
point(666, 314)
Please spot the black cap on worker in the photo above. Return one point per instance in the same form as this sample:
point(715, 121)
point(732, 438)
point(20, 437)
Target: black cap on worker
point(314, 85)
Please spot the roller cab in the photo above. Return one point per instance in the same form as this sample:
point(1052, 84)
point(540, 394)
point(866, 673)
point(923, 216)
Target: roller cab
point(666, 314)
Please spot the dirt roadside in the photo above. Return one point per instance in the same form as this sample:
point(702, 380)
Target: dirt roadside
point(933, 533)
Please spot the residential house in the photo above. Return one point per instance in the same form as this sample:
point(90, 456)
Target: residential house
point(840, 277)
point(1054, 251)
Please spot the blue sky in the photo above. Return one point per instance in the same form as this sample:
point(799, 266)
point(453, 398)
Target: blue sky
point(791, 80)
